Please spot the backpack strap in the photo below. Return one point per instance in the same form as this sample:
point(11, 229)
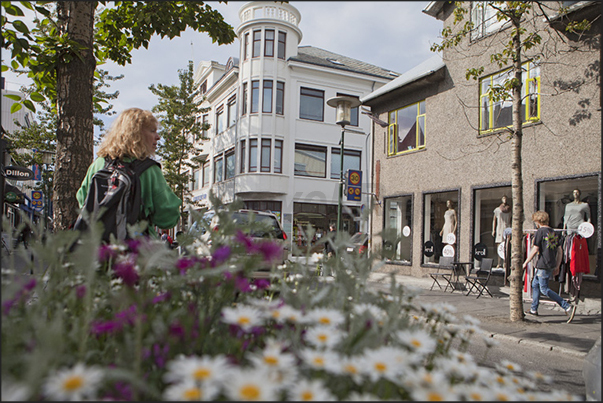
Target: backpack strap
point(139, 166)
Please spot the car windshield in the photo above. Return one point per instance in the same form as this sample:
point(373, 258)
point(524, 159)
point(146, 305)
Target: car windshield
point(264, 226)
point(358, 237)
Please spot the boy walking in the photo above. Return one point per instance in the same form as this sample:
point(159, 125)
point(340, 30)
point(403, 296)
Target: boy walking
point(546, 245)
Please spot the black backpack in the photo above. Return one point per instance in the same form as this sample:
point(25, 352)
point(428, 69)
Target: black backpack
point(114, 198)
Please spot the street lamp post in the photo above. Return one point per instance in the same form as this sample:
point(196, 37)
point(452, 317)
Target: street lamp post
point(343, 105)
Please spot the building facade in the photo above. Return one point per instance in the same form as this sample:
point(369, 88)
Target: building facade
point(273, 142)
point(442, 163)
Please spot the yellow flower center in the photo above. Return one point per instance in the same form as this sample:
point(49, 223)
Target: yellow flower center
point(319, 361)
point(270, 360)
point(350, 369)
point(476, 396)
point(243, 320)
point(324, 321)
point(73, 383)
point(307, 396)
point(416, 343)
point(380, 367)
point(276, 314)
point(250, 392)
point(202, 373)
point(435, 397)
point(192, 394)
point(322, 338)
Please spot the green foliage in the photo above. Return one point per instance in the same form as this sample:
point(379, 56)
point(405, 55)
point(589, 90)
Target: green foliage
point(178, 111)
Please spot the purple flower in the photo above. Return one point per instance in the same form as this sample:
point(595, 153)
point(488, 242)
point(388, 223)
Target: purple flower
point(176, 330)
point(7, 305)
point(80, 291)
point(106, 327)
point(272, 251)
point(105, 253)
point(161, 297)
point(126, 271)
point(127, 316)
point(185, 263)
point(220, 255)
point(261, 283)
point(242, 284)
point(30, 285)
point(133, 245)
point(247, 241)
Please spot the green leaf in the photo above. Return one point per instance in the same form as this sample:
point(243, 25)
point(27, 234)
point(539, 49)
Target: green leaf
point(16, 107)
point(37, 97)
point(13, 97)
point(29, 105)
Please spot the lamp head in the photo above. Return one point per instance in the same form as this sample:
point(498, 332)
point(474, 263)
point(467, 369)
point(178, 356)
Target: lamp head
point(344, 105)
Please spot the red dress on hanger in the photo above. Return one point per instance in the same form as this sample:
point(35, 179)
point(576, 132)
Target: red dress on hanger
point(579, 262)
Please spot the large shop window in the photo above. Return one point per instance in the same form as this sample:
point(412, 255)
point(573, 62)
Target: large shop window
point(406, 130)
point(311, 104)
point(274, 207)
point(310, 161)
point(440, 224)
point(495, 113)
point(351, 160)
point(492, 220)
point(559, 199)
point(397, 239)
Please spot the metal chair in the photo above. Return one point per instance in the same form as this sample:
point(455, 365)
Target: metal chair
point(445, 271)
point(480, 278)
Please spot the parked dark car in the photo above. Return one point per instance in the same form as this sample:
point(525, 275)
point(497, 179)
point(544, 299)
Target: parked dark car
point(358, 244)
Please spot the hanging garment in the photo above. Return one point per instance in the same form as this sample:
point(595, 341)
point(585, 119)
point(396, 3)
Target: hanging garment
point(579, 262)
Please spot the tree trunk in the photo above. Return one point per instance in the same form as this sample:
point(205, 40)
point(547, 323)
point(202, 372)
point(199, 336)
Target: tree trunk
point(75, 131)
point(517, 258)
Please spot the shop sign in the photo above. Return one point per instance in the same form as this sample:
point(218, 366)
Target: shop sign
point(448, 251)
point(480, 251)
point(11, 197)
point(18, 173)
point(428, 249)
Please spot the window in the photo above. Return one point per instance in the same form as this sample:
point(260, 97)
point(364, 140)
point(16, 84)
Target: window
point(397, 234)
point(278, 156)
point(195, 183)
point(280, 98)
point(206, 174)
point(406, 130)
point(206, 126)
point(232, 111)
point(265, 155)
point(311, 104)
point(203, 87)
point(497, 114)
point(483, 17)
point(490, 221)
point(439, 217)
point(310, 161)
point(220, 119)
point(246, 46)
point(230, 163)
point(218, 169)
point(282, 44)
point(255, 96)
point(244, 106)
point(353, 111)
point(351, 160)
point(257, 43)
point(267, 97)
point(269, 43)
point(253, 155)
point(242, 157)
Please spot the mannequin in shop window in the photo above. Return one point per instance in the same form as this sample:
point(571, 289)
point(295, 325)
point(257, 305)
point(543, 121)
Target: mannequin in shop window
point(576, 213)
point(500, 222)
point(449, 221)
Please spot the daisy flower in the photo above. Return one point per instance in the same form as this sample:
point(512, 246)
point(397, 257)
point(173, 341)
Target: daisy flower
point(324, 316)
point(418, 341)
point(191, 391)
point(361, 397)
point(14, 392)
point(197, 369)
point(77, 383)
point(250, 385)
point(272, 357)
point(372, 309)
point(287, 313)
point(317, 359)
point(434, 393)
point(310, 390)
point(474, 393)
point(422, 378)
point(323, 336)
point(507, 366)
point(244, 316)
point(381, 363)
point(347, 366)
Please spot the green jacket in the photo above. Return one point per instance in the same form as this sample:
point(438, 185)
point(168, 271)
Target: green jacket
point(160, 203)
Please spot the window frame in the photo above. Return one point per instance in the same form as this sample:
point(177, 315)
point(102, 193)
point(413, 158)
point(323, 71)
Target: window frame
point(269, 43)
point(393, 131)
point(282, 45)
point(244, 98)
point(265, 155)
point(255, 96)
point(205, 176)
point(279, 107)
point(229, 164)
point(267, 91)
point(219, 168)
point(231, 111)
point(530, 89)
point(336, 160)
point(311, 149)
point(219, 119)
point(278, 156)
point(310, 94)
point(253, 155)
point(484, 20)
point(246, 46)
point(242, 156)
point(256, 47)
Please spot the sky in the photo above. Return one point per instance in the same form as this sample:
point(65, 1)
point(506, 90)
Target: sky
point(395, 35)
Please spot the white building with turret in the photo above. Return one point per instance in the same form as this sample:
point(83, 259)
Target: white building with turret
point(273, 141)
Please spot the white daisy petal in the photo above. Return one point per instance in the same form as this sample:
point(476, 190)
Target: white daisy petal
point(77, 383)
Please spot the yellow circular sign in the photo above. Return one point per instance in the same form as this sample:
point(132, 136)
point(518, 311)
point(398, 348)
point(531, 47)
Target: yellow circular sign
point(357, 191)
point(354, 178)
point(351, 191)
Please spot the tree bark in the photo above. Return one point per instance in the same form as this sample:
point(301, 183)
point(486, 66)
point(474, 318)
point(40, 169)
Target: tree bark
point(75, 131)
point(517, 258)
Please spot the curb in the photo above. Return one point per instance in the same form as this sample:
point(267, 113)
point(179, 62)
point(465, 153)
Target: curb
point(545, 346)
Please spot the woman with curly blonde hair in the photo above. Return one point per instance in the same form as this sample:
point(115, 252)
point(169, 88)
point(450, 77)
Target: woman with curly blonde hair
point(133, 136)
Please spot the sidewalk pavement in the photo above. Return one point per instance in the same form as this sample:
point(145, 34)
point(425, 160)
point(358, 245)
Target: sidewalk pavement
point(548, 330)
